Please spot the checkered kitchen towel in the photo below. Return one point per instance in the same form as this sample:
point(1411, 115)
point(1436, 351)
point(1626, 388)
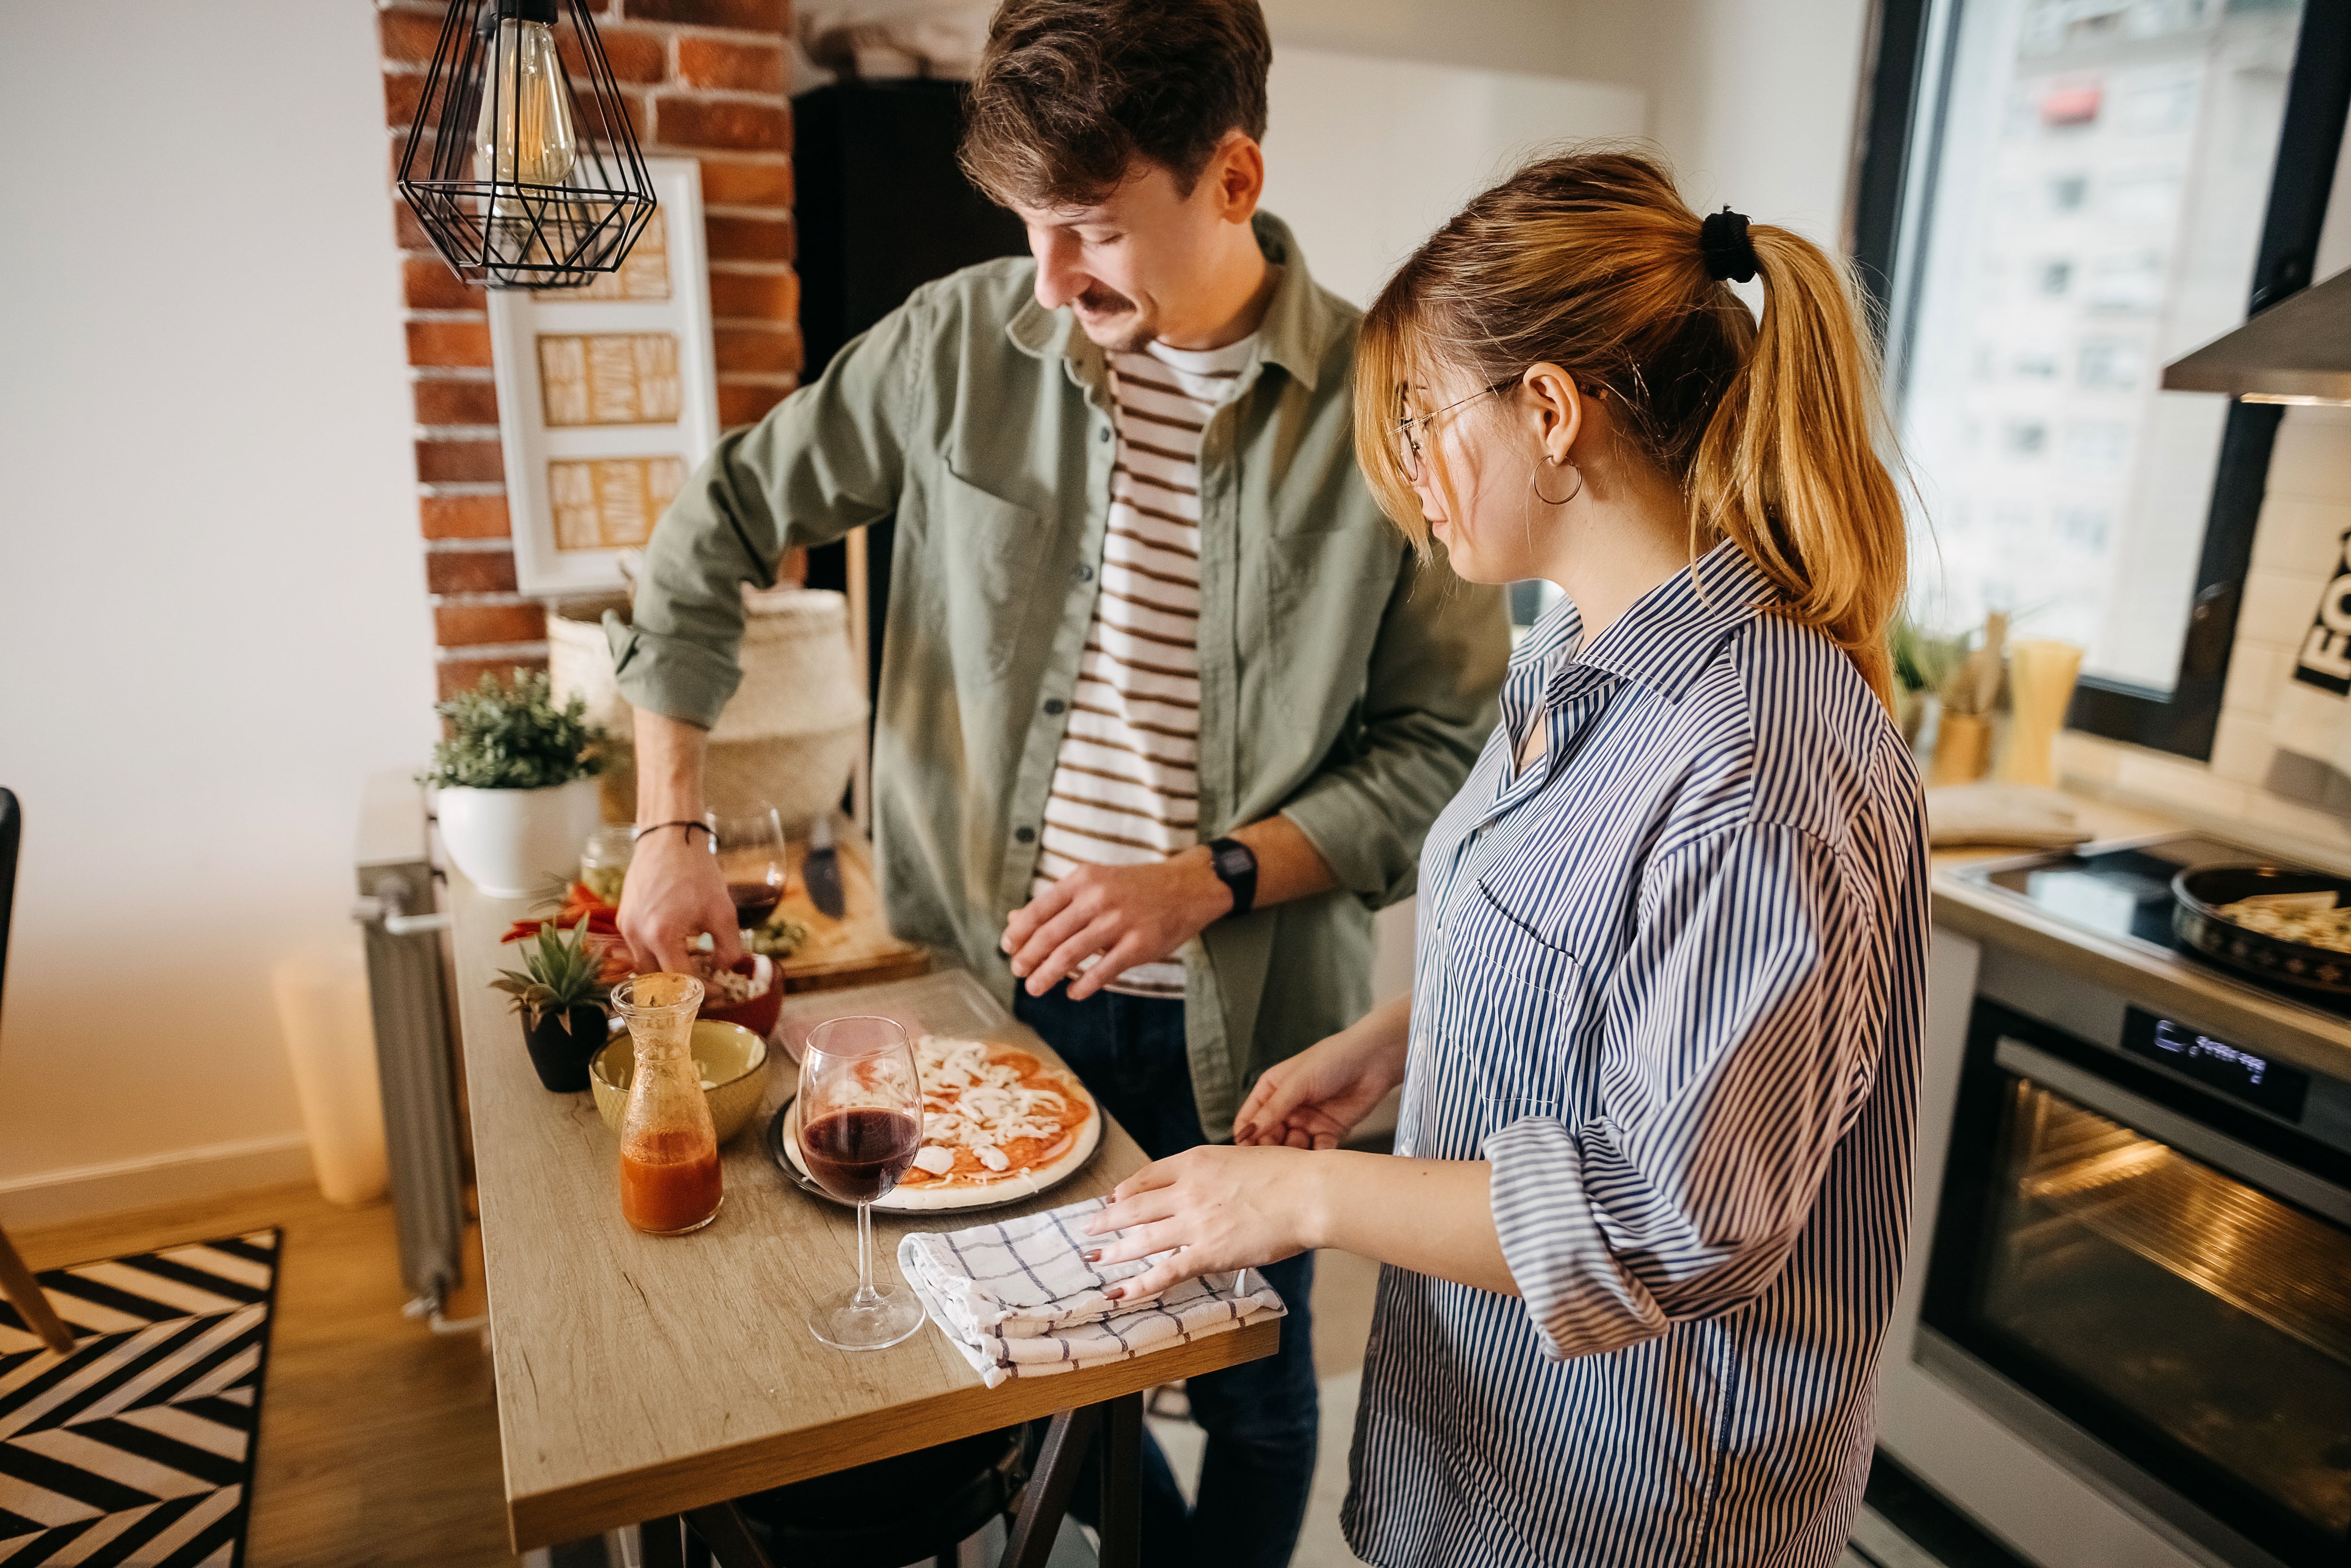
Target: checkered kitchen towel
point(1019, 1298)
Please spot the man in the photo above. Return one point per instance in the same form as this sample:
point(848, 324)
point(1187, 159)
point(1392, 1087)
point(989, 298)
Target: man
point(1165, 707)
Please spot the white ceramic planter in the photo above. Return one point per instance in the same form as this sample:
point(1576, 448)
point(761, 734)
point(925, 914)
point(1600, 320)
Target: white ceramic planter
point(512, 842)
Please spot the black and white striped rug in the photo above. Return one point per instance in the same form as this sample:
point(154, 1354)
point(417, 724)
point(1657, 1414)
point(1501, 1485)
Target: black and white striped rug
point(138, 1447)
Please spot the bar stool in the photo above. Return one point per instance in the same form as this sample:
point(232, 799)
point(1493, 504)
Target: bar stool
point(928, 1503)
point(894, 1511)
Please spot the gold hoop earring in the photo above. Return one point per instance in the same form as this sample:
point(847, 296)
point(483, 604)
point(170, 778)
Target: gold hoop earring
point(1536, 483)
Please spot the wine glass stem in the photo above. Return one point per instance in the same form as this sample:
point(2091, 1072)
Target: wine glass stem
point(865, 1291)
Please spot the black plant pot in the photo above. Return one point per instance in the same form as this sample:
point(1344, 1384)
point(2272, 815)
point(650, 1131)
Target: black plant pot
point(562, 1057)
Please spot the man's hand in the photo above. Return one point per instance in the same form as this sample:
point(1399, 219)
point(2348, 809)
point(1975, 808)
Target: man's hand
point(1313, 1100)
point(675, 893)
point(1129, 915)
point(1225, 1209)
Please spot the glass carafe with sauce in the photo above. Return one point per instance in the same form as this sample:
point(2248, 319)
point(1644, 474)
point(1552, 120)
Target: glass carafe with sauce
point(668, 1150)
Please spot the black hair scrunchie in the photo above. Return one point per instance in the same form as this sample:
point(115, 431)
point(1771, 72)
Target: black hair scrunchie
point(1723, 240)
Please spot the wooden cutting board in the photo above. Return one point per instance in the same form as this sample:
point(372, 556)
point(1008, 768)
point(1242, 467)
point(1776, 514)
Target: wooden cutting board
point(856, 950)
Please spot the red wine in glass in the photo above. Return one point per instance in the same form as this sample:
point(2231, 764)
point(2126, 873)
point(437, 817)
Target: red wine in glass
point(753, 900)
point(750, 850)
point(860, 1111)
point(858, 1154)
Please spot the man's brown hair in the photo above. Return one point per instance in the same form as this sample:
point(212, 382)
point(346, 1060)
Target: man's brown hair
point(1069, 93)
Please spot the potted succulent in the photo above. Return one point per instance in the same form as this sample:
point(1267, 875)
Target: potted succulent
point(517, 782)
point(562, 1001)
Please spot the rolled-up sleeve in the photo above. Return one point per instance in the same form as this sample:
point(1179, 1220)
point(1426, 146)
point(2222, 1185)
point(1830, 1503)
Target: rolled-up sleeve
point(826, 460)
point(1735, 1051)
point(1428, 704)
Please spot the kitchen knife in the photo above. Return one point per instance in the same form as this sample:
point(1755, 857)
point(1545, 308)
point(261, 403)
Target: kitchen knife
point(821, 870)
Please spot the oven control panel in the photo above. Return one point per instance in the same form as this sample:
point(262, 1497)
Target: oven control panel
point(2203, 1051)
point(2242, 1074)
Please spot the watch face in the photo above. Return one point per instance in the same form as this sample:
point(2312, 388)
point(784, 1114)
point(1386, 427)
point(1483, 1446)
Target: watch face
point(1232, 860)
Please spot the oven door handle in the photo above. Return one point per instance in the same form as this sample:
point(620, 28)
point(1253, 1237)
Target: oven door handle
point(2181, 1132)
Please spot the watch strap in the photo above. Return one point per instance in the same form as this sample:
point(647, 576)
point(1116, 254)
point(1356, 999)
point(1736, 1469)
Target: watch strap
point(1234, 864)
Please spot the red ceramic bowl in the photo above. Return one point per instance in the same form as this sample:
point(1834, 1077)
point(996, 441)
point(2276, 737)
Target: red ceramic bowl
point(758, 1014)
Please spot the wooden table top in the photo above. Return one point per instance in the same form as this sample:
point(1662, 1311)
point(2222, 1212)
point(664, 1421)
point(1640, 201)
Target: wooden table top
point(639, 1375)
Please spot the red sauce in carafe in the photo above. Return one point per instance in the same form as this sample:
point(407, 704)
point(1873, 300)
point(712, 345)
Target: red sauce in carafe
point(669, 1181)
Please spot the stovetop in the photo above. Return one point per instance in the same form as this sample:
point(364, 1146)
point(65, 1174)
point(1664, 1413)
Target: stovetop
point(2126, 892)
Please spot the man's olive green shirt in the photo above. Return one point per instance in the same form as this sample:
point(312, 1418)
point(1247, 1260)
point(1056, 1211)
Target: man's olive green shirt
point(1341, 685)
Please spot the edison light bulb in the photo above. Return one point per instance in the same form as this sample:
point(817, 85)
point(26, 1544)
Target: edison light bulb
point(525, 134)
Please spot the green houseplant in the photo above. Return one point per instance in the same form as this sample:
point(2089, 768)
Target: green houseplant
point(1922, 663)
point(515, 778)
point(560, 1000)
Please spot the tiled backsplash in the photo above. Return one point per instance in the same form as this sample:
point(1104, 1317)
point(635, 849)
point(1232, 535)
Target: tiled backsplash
point(2307, 508)
point(704, 78)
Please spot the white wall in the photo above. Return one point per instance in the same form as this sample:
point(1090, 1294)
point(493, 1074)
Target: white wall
point(1752, 100)
point(1365, 155)
point(1755, 102)
point(212, 606)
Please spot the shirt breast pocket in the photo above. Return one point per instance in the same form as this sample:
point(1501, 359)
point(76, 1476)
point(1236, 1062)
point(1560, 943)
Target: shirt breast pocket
point(1515, 1022)
point(1326, 590)
point(991, 552)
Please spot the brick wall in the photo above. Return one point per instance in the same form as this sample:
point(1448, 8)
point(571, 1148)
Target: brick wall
point(703, 78)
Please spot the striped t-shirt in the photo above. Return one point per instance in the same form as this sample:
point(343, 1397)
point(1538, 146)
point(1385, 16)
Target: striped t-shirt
point(1126, 784)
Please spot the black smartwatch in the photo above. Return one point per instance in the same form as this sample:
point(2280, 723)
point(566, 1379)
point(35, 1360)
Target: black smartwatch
point(1234, 864)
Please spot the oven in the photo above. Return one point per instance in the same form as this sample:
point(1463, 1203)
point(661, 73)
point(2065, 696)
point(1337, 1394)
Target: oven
point(2125, 1335)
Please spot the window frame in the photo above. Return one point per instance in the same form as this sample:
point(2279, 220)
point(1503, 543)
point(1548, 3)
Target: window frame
point(1899, 143)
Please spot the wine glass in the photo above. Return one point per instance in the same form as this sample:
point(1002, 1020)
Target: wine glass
point(751, 850)
point(860, 1113)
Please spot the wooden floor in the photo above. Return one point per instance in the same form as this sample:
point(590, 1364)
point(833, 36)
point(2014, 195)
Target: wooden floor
point(378, 1438)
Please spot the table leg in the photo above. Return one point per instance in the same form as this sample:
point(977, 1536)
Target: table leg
point(722, 1528)
point(664, 1541)
point(1049, 1486)
point(1121, 1482)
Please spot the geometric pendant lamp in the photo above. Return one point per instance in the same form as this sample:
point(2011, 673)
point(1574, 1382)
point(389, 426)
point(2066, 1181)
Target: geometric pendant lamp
point(520, 181)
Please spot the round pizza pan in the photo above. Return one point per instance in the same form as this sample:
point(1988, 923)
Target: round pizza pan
point(2197, 895)
point(785, 1151)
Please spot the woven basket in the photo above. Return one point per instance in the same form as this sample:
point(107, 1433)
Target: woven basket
point(789, 735)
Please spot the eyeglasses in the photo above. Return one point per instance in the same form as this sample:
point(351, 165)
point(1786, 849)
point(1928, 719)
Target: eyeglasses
point(1408, 445)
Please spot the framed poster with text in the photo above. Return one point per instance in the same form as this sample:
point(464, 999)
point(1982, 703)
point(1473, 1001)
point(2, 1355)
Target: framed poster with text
point(607, 397)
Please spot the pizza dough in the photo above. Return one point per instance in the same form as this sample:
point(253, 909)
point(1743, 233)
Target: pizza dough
point(998, 1124)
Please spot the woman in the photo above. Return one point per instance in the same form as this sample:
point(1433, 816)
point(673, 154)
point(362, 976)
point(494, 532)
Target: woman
point(1659, 1060)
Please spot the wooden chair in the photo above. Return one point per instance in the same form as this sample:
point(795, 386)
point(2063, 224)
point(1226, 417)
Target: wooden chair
point(16, 1281)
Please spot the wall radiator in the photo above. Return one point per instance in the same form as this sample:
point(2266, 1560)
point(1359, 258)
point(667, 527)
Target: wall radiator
point(408, 992)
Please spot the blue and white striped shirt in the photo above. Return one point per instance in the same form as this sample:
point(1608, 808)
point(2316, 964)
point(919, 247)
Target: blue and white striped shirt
point(1669, 981)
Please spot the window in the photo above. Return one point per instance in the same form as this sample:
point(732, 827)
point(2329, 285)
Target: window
point(2057, 198)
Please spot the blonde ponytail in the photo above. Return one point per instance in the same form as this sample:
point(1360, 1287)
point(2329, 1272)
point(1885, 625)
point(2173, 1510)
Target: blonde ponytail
point(1788, 465)
point(1592, 261)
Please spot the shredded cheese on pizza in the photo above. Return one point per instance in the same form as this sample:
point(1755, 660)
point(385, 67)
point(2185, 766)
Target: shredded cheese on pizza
point(986, 1100)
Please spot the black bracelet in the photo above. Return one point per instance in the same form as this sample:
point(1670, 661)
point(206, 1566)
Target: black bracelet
point(685, 823)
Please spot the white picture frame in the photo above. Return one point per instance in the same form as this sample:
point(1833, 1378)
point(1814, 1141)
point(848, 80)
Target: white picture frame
point(635, 405)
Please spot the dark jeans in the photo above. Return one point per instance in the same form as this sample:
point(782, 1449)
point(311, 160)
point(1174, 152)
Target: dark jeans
point(1261, 1416)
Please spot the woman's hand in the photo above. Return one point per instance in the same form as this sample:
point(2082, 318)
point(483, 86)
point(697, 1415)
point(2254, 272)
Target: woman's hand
point(1313, 1100)
point(1225, 1209)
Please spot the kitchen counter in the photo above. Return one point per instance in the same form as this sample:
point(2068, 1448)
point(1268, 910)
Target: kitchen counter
point(2202, 993)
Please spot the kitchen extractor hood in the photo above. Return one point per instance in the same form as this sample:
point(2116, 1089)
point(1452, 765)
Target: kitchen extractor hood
point(2298, 350)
